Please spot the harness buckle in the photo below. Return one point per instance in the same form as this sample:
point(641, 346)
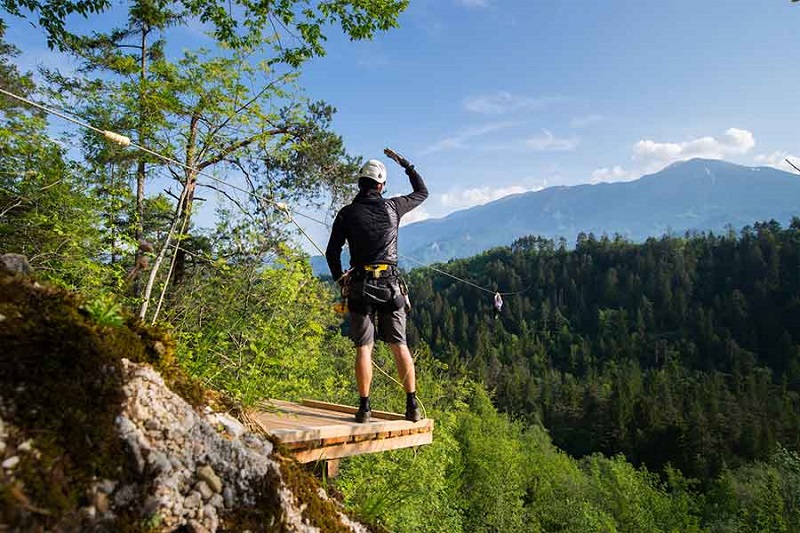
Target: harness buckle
point(377, 269)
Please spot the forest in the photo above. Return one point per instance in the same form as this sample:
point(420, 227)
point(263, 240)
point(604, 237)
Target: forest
point(681, 351)
point(628, 387)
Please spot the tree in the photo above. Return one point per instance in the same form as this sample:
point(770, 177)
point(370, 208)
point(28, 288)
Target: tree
point(298, 24)
point(216, 111)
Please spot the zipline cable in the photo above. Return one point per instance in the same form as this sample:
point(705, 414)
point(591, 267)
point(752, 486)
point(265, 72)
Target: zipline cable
point(126, 141)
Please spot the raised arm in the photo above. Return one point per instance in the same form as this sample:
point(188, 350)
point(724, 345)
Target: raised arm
point(420, 192)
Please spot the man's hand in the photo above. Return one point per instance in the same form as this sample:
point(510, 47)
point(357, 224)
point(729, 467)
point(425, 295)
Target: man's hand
point(399, 159)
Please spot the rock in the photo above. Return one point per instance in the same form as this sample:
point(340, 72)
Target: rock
point(227, 496)
point(25, 446)
point(124, 496)
point(204, 490)
point(232, 426)
point(10, 463)
point(159, 348)
point(125, 426)
point(101, 502)
point(262, 446)
point(206, 473)
point(107, 486)
point(2, 317)
point(217, 501)
point(193, 501)
point(196, 527)
point(159, 463)
point(15, 263)
point(210, 513)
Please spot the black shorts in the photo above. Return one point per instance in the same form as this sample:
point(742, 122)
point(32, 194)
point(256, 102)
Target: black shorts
point(383, 300)
point(391, 327)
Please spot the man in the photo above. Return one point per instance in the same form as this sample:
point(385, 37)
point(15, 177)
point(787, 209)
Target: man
point(369, 225)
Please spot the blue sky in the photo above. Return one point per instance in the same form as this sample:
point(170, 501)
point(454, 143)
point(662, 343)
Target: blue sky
point(494, 96)
point(491, 97)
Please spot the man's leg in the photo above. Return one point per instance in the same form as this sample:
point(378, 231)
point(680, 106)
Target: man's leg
point(405, 367)
point(362, 333)
point(364, 369)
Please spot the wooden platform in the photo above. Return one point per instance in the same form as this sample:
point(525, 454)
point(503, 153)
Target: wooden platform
point(316, 431)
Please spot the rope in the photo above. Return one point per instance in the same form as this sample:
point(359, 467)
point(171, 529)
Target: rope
point(126, 141)
point(462, 280)
point(382, 371)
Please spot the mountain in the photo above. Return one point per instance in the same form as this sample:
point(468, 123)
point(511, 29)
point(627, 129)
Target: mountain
point(692, 195)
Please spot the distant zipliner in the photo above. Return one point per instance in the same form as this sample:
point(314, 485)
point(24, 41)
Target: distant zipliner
point(498, 304)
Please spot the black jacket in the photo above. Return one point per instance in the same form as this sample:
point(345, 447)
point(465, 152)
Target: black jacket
point(370, 224)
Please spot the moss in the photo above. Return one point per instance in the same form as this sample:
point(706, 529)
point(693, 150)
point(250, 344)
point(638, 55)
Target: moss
point(61, 373)
point(264, 515)
point(319, 512)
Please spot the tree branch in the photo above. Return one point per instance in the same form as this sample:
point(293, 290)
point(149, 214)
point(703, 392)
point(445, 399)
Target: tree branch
point(225, 152)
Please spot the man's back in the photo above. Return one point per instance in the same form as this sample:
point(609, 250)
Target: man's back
point(370, 226)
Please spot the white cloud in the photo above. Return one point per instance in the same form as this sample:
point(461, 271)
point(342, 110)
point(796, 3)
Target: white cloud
point(585, 121)
point(547, 142)
point(778, 160)
point(654, 155)
point(616, 173)
point(650, 156)
point(459, 140)
point(482, 195)
point(416, 215)
point(503, 102)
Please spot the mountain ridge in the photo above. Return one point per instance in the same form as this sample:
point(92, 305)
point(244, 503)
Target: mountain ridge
point(693, 195)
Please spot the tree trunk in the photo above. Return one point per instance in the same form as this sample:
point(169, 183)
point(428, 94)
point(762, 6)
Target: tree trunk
point(140, 167)
point(179, 271)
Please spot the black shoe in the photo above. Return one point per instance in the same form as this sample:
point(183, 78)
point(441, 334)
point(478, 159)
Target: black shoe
point(362, 416)
point(413, 414)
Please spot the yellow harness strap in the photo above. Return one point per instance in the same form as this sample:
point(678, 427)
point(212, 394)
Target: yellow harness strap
point(376, 269)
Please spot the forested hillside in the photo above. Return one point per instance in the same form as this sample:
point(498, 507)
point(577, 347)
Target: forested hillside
point(681, 351)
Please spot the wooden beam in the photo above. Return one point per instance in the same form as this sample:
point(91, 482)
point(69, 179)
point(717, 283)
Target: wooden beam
point(294, 433)
point(358, 448)
point(350, 410)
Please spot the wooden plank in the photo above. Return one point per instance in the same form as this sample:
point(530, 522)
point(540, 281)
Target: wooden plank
point(296, 410)
point(294, 431)
point(281, 406)
point(350, 409)
point(287, 435)
point(359, 448)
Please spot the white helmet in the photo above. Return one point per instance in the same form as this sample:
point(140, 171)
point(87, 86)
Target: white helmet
point(374, 170)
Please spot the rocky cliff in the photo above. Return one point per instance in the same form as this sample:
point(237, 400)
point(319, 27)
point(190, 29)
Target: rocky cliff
point(96, 434)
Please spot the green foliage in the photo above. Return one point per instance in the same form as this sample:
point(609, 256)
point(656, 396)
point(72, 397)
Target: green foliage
point(680, 351)
point(105, 310)
point(762, 496)
point(259, 332)
point(45, 212)
point(241, 23)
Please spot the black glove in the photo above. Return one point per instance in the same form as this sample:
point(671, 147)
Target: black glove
point(399, 159)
